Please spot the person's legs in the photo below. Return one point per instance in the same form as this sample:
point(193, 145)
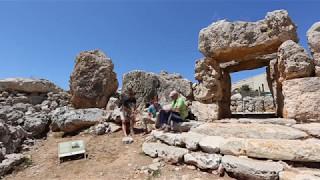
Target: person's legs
point(132, 121)
point(175, 119)
point(123, 121)
point(163, 118)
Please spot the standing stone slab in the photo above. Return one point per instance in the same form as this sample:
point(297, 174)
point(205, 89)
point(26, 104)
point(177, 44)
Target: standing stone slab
point(169, 153)
point(203, 161)
point(302, 99)
point(291, 150)
point(253, 130)
point(249, 169)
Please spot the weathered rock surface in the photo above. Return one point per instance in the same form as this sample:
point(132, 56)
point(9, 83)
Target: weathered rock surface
point(211, 144)
point(279, 121)
point(311, 128)
point(169, 153)
point(168, 138)
point(225, 40)
point(302, 99)
point(146, 85)
point(71, 120)
point(93, 80)
point(293, 62)
point(253, 104)
point(258, 131)
point(205, 112)
point(191, 140)
point(300, 174)
point(202, 160)
point(313, 35)
point(37, 124)
point(127, 140)
point(10, 162)
point(28, 85)
point(186, 126)
point(249, 169)
point(291, 150)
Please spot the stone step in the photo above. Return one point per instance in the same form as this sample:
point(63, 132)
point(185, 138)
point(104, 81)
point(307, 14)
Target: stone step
point(250, 169)
point(170, 154)
point(291, 150)
point(203, 161)
point(300, 174)
point(279, 121)
point(253, 130)
point(311, 128)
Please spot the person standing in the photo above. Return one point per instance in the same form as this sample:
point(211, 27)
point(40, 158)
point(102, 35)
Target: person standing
point(128, 105)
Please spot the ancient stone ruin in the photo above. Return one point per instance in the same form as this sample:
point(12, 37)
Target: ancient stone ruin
point(212, 141)
point(272, 42)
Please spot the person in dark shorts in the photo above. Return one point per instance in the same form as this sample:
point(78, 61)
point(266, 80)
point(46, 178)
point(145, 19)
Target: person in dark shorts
point(128, 105)
point(177, 113)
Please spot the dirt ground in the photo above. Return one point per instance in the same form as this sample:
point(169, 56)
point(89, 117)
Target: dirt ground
point(108, 159)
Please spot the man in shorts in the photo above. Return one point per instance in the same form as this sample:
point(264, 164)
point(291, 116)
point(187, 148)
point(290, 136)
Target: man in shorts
point(128, 111)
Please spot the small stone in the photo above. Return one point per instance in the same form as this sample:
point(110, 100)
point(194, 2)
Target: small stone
point(127, 140)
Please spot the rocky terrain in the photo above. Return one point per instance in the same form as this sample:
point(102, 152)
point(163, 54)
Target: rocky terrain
point(36, 115)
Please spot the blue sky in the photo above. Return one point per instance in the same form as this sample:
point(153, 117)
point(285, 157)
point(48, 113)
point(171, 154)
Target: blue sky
point(42, 38)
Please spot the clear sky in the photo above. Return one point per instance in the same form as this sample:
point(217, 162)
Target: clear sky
point(42, 38)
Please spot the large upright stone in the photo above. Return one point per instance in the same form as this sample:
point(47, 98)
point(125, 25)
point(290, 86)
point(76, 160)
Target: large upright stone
point(313, 35)
point(28, 85)
point(93, 80)
point(205, 112)
point(146, 85)
point(253, 130)
point(293, 61)
point(208, 74)
point(302, 99)
point(225, 41)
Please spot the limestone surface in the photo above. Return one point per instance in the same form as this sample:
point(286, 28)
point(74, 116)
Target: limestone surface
point(225, 41)
point(258, 131)
point(93, 80)
point(302, 99)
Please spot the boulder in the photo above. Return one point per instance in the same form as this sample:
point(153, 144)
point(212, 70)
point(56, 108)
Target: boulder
point(205, 112)
point(93, 80)
point(253, 130)
point(311, 128)
point(313, 35)
point(37, 124)
point(28, 85)
point(146, 85)
point(290, 150)
point(11, 160)
point(249, 169)
point(203, 161)
point(100, 129)
point(185, 126)
point(127, 140)
point(293, 62)
point(300, 174)
point(71, 120)
point(302, 99)
point(211, 144)
point(224, 40)
point(169, 153)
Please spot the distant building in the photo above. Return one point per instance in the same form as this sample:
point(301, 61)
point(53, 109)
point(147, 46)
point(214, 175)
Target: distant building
point(257, 83)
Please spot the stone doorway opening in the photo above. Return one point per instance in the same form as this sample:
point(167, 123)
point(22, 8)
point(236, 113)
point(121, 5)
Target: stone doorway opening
point(251, 96)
